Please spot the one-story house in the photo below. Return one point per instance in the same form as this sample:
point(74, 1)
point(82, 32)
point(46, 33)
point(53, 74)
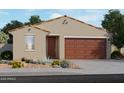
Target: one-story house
point(61, 38)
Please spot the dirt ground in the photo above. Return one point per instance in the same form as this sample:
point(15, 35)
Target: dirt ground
point(5, 66)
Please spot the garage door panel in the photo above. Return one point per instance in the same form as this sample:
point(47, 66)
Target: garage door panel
point(77, 48)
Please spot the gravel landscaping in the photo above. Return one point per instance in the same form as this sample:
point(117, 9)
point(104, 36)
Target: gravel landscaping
point(23, 64)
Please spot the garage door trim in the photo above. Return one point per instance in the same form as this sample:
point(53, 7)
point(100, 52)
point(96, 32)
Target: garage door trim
point(86, 37)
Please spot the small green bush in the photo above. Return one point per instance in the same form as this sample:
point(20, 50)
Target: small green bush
point(55, 62)
point(116, 55)
point(64, 64)
point(1, 62)
point(6, 55)
point(23, 59)
point(10, 63)
point(16, 64)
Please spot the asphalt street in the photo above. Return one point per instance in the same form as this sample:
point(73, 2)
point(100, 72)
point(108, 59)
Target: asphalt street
point(113, 78)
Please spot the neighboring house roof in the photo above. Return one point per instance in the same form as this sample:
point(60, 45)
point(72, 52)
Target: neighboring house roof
point(35, 25)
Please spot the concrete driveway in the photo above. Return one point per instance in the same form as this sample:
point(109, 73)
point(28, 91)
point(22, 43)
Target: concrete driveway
point(100, 66)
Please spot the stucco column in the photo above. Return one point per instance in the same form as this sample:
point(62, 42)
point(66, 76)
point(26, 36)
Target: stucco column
point(108, 48)
point(61, 47)
point(43, 48)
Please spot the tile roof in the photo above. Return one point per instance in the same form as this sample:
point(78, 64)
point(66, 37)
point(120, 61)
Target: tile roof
point(29, 26)
point(65, 16)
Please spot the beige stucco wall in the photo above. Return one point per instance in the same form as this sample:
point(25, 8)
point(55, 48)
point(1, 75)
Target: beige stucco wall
point(108, 48)
point(73, 28)
point(19, 50)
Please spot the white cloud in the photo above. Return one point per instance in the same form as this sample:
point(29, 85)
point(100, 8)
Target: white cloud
point(55, 15)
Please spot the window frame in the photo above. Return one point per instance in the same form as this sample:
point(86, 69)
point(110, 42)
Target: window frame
point(26, 48)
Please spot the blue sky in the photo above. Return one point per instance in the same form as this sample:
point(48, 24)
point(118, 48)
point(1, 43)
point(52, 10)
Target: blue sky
point(91, 16)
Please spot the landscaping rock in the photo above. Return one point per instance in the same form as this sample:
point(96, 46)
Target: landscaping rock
point(74, 66)
point(122, 51)
point(5, 61)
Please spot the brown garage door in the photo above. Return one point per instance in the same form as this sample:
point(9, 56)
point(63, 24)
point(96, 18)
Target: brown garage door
point(88, 48)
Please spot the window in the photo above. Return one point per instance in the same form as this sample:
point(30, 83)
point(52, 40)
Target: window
point(30, 42)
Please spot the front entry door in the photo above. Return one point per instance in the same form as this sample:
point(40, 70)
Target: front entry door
point(52, 47)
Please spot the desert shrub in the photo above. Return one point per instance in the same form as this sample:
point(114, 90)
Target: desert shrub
point(23, 59)
point(29, 61)
point(10, 63)
point(43, 63)
point(1, 62)
point(39, 61)
point(0, 56)
point(16, 64)
point(47, 61)
point(6, 55)
point(116, 55)
point(55, 62)
point(64, 64)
